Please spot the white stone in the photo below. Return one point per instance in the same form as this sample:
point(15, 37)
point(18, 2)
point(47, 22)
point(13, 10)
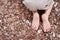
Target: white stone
point(17, 22)
point(20, 39)
point(6, 34)
point(0, 20)
point(53, 34)
point(39, 31)
point(58, 14)
point(56, 9)
point(24, 19)
point(5, 27)
point(56, 4)
point(27, 21)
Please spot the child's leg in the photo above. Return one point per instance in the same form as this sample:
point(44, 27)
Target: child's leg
point(46, 23)
point(35, 21)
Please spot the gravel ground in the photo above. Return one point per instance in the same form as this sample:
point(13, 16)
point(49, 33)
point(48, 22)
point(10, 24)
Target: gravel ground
point(15, 22)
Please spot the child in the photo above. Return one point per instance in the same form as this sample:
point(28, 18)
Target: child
point(34, 5)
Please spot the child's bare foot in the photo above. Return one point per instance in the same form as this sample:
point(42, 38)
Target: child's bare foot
point(46, 24)
point(35, 22)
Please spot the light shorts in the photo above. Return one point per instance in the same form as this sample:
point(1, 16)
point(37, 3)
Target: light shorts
point(34, 5)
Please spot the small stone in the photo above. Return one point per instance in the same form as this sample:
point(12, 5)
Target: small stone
point(58, 35)
point(53, 34)
point(19, 33)
point(59, 15)
point(11, 36)
point(20, 23)
point(0, 33)
point(27, 22)
point(6, 34)
point(9, 3)
point(39, 31)
point(46, 34)
point(11, 14)
point(24, 20)
point(55, 26)
point(20, 39)
point(56, 4)
point(5, 27)
point(54, 19)
point(23, 32)
point(56, 9)
point(57, 23)
point(1, 8)
point(17, 22)
point(12, 27)
point(0, 20)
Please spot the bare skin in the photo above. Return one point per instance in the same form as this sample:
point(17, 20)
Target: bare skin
point(46, 23)
point(35, 22)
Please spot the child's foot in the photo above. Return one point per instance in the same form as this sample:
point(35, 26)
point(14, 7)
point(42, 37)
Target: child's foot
point(46, 23)
point(35, 22)
point(46, 26)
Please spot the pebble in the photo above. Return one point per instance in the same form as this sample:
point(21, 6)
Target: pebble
point(58, 35)
point(6, 34)
point(0, 20)
point(24, 20)
point(56, 4)
point(12, 28)
point(9, 3)
point(39, 31)
point(5, 27)
point(1, 8)
point(27, 22)
point(53, 34)
point(23, 32)
point(0, 33)
point(20, 39)
point(55, 26)
point(11, 36)
point(59, 15)
point(56, 9)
